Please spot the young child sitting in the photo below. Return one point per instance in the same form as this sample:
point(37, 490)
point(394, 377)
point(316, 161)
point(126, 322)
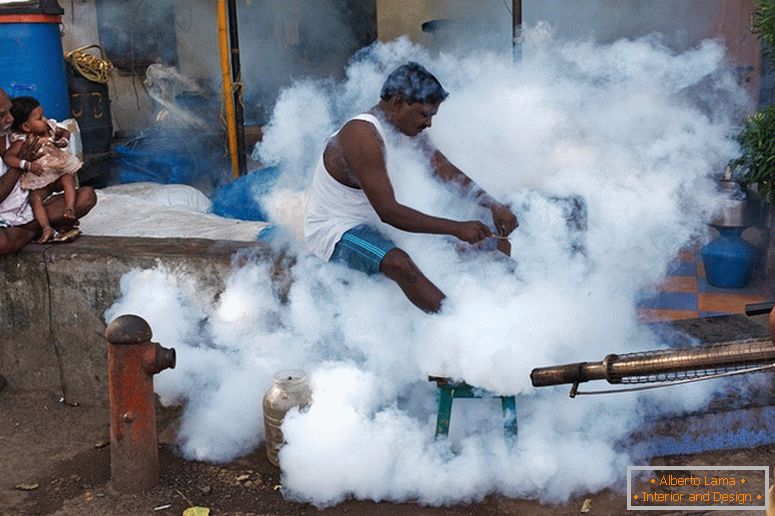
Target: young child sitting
point(54, 171)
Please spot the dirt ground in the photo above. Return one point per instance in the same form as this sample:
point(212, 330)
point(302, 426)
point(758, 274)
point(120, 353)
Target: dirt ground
point(56, 460)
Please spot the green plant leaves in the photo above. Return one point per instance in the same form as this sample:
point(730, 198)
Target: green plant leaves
point(757, 143)
point(764, 25)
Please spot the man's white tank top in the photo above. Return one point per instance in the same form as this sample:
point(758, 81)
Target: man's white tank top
point(15, 209)
point(332, 208)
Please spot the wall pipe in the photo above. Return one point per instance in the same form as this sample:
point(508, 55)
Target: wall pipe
point(236, 77)
point(228, 87)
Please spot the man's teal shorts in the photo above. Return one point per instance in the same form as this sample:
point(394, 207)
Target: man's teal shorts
point(362, 248)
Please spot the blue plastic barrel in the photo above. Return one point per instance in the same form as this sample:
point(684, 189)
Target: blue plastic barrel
point(32, 61)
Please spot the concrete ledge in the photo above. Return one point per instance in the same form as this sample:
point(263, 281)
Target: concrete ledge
point(54, 298)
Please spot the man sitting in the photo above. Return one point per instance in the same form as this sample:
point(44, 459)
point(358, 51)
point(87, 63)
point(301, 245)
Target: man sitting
point(351, 194)
point(17, 223)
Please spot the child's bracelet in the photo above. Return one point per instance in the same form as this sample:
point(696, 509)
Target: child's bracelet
point(24, 164)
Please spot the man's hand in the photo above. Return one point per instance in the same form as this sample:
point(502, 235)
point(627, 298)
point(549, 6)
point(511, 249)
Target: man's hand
point(472, 231)
point(505, 221)
point(36, 168)
point(30, 149)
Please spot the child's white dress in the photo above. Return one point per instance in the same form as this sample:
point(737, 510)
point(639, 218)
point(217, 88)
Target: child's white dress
point(55, 161)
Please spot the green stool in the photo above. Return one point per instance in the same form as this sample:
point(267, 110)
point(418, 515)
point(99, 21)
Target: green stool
point(448, 390)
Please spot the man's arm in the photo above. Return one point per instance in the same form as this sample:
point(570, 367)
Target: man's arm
point(8, 181)
point(28, 150)
point(505, 221)
point(14, 160)
point(362, 148)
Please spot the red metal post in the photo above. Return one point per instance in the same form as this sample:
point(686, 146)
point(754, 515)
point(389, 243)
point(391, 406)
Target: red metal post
point(132, 361)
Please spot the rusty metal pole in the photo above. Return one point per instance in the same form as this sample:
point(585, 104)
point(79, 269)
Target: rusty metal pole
point(132, 361)
point(236, 81)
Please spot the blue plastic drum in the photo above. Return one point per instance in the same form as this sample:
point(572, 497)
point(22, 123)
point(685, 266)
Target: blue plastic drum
point(32, 61)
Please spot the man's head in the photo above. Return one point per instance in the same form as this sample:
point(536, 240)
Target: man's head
point(412, 96)
point(6, 118)
point(413, 83)
point(28, 116)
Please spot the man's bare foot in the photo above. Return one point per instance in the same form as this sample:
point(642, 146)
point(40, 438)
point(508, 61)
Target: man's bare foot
point(69, 214)
point(46, 235)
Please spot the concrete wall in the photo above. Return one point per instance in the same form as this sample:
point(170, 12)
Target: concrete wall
point(397, 18)
point(280, 40)
point(55, 296)
point(683, 22)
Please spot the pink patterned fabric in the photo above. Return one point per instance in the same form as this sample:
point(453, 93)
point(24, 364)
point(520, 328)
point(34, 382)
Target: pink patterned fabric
point(55, 161)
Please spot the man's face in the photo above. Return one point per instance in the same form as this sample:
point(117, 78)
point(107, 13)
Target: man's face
point(414, 118)
point(5, 113)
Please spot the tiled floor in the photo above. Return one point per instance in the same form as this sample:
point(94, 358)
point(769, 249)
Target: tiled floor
point(686, 294)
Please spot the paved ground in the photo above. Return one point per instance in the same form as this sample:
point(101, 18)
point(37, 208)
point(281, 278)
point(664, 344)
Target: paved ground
point(60, 453)
point(55, 459)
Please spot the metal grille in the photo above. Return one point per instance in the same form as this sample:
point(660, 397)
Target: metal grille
point(689, 363)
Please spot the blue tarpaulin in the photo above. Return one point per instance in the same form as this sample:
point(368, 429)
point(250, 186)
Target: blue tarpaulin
point(241, 199)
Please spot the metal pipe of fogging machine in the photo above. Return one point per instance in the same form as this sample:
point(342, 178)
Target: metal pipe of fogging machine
point(659, 365)
point(759, 308)
point(132, 361)
point(236, 78)
point(228, 87)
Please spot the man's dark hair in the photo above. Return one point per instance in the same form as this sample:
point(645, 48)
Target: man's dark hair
point(21, 107)
point(413, 83)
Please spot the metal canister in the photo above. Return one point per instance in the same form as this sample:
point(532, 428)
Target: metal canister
point(289, 389)
point(739, 206)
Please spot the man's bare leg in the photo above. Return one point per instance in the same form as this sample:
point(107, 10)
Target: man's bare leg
point(398, 266)
point(13, 239)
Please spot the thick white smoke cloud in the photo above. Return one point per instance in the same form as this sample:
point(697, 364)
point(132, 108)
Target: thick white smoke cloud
point(628, 127)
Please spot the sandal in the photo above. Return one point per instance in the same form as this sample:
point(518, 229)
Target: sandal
point(65, 236)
